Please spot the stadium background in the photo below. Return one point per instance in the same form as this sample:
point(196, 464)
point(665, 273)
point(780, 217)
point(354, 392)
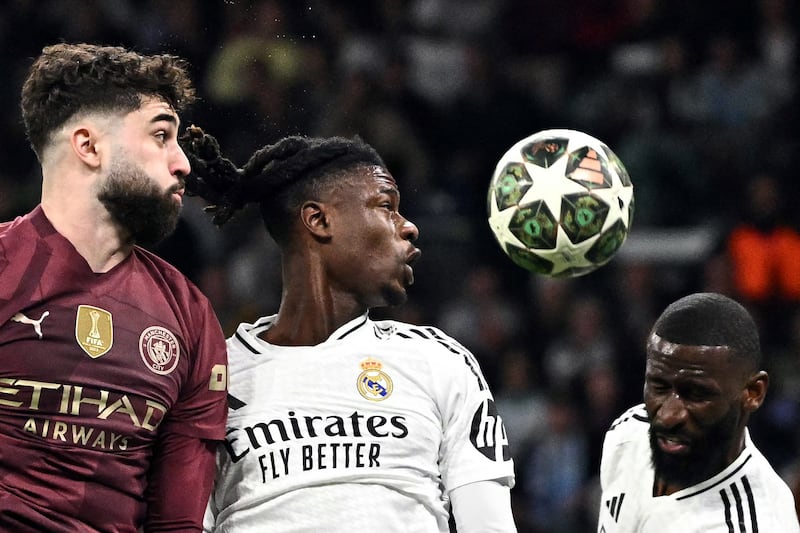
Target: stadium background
point(697, 98)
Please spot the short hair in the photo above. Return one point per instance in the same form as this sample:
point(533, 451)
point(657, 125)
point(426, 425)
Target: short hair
point(72, 78)
point(711, 319)
point(279, 177)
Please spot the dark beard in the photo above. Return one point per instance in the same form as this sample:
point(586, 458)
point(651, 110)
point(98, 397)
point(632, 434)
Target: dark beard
point(706, 458)
point(136, 203)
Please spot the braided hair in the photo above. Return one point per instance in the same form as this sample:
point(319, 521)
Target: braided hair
point(279, 177)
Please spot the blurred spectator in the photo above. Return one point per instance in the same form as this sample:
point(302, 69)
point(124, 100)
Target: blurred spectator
point(584, 343)
point(521, 400)
point(555, 473)
point(482, 316)
point(764, 252)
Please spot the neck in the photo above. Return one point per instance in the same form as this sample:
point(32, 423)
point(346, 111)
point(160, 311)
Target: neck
point(311, 308)
point(90, 230)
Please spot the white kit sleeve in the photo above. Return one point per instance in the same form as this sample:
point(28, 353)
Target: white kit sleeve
point(483, 507)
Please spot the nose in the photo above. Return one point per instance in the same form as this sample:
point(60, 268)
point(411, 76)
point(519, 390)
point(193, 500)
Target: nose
point(409, 230)
point(179, 163)
point(672, 411)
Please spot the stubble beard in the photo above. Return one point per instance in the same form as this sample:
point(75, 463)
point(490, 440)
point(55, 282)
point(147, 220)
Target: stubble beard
point(135, 202)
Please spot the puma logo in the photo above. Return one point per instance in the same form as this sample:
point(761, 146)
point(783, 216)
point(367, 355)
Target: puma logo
point(37, 324)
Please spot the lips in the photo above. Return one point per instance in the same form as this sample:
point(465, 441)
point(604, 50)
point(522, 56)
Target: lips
point(178, 192)
point(410, 260)
point(672, 444)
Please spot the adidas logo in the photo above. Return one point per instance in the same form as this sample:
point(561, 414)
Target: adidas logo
point(614, 505)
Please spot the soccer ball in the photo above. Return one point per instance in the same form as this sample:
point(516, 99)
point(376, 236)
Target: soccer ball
point(560, 203)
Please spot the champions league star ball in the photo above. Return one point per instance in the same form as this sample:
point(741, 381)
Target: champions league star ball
point(560, 203)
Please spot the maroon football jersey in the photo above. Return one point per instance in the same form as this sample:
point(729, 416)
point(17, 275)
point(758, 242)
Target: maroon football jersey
point(93, 367)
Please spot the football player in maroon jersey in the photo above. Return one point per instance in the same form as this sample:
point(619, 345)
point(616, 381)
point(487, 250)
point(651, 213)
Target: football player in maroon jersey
point(114, 369)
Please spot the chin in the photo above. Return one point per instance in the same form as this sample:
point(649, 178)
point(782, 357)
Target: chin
point(393, 297)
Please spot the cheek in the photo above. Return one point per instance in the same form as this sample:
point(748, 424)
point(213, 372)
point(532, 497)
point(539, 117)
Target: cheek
point(376, 238)
point(651, 403)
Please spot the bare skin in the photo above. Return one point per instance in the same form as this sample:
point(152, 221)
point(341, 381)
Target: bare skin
point(353, 251)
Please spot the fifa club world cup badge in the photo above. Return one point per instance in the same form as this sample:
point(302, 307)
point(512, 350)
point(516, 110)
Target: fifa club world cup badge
point(94, 330)
point(159, 349)
point(373, 383)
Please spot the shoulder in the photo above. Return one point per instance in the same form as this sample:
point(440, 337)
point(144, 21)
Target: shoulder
point(438, 352)
point(6, 227)
point(761, 482)
point(403, 332)
point(629, 430)
point(633, 420)
point(161, 270)
point(626, 449)
point(245, 339)
point(17, 225)
point(429, 342)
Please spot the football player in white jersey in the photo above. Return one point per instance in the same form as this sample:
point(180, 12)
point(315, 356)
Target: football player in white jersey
point(338, 422)
point(683, 462)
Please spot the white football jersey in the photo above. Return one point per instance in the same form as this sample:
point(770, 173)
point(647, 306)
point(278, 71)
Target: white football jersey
point(746, 497)
point(368, 430)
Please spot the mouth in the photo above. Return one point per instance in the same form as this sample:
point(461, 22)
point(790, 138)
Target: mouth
point(411, 258)
point(673, 445)
point(178, 193)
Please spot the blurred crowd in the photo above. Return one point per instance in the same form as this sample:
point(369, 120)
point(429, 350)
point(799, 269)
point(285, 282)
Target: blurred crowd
point(697, 98)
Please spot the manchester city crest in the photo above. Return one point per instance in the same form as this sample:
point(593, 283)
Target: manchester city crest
point(373, 383)
point(159, 349)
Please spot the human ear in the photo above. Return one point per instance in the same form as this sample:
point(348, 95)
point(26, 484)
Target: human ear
point(83, 141)
point(315, 218)
point(755, 391)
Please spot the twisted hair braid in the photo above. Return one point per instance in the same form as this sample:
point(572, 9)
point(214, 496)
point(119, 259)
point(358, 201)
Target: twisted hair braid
point(276, 176)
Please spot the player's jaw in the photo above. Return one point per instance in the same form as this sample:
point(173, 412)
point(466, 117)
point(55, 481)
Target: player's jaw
point(686, 458)
point(394, 290)
point(138, 204)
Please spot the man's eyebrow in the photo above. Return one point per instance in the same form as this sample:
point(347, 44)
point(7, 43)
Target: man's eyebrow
point(164, 117)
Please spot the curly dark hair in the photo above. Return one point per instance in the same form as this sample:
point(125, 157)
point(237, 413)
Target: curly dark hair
point(279, 177)
point(70, 78)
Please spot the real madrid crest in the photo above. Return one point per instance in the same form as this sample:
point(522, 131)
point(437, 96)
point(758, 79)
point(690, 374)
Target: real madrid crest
point(159, 349)
point(94, 330)
point(373, 383)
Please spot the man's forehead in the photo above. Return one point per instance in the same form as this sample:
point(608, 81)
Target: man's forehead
point(689, 355)
point(381, 174)
point(669, 347)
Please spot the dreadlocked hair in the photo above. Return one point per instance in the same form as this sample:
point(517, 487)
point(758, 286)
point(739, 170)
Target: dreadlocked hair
point(279, 177)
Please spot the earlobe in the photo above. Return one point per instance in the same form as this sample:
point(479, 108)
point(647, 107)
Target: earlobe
point(316, 220)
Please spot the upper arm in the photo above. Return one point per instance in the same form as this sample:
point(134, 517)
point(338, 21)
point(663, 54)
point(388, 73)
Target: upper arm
point(483, 507)
point(179, 483)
